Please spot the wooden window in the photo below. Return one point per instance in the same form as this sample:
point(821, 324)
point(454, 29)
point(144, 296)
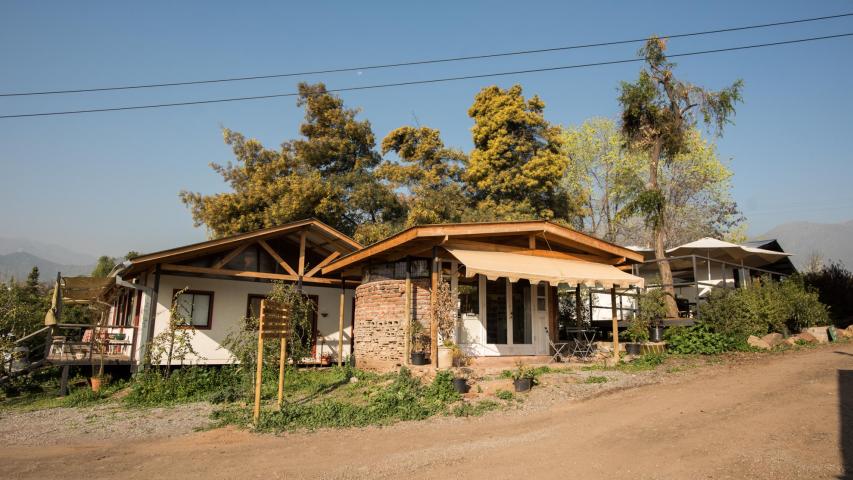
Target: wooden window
point(253, 305)
point(541, 296)
point(196, 307)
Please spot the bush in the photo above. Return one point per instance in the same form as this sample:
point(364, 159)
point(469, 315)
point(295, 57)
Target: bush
point(699, 339)
point(184, 385)
point(763, 307)
point(834, 285)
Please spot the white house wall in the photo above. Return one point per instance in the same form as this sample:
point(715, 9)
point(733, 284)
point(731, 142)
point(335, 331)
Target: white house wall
point(230, 298)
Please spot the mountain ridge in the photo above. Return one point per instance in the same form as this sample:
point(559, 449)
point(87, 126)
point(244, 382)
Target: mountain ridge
point(832, 241)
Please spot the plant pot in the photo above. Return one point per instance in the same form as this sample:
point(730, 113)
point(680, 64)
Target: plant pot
point(445, 357)
point(419, 358)
point(96, 384)
point(656, 333)
point(461, 385)
point(632, 348)
point(522, 384)
point(120, 336)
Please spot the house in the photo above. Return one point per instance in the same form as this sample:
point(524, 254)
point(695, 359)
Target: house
point(504, 276)
point(216, 284)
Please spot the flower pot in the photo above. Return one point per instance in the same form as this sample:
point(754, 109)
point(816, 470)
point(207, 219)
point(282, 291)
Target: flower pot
point(96, 384)
point(120, 336)
point(461, 385)
point(632, 348)
point(656, 333)
point(445, 357)
point(419, 358)
point(522, 384)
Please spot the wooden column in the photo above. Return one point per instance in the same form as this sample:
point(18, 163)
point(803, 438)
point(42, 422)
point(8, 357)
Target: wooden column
point(615, 323)
point(578, 305)
point(301, 271)
point(282, 361)
point(259, 368)
point(433, 322)
point(341, 324)
point(407, 318)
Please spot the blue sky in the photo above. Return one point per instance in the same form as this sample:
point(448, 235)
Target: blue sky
point(108, 183)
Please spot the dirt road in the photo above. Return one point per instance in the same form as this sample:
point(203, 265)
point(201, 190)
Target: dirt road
point(778, 417)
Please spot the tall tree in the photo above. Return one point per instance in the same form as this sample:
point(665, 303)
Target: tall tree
point(515, 167)
point(428, 175)
point(328, 174)
point(657, 112)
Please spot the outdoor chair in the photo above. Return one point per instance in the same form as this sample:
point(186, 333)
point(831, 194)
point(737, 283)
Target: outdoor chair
point(558, 348)
point(584, 344)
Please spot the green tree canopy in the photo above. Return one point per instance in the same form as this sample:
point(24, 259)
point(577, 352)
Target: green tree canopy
point(328, 174)
point(428, 174)
point(517, 161)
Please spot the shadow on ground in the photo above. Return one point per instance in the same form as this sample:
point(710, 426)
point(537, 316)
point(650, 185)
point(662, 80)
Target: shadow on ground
point(845, 406)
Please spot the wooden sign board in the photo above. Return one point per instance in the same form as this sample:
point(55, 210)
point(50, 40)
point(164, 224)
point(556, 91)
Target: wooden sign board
point(275, 320)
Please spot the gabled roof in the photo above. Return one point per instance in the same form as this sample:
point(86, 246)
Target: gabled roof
point(318, 232)
point(551, 233)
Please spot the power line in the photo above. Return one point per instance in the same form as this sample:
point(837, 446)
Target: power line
point(420, 62)
point(421, 82)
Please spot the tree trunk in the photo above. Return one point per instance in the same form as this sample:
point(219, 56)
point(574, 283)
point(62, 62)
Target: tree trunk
point(659, 237)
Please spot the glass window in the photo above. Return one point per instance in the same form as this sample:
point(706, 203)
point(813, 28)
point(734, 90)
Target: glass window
point(196, 308)
point(253, 306)
point(541, 297)
point(469, 296)
point(496, 314)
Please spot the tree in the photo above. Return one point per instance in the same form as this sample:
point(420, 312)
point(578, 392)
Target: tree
point(602, 178)
point(428, 174)
point(517, 162)
point(658, 111)
point(328, 175)
point(104, 266)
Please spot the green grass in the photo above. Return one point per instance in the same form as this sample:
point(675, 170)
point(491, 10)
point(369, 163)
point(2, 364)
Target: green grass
point(504, 395)
point(595, 379)
point(474, 409)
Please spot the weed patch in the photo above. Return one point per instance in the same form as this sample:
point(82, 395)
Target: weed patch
point(595, 379)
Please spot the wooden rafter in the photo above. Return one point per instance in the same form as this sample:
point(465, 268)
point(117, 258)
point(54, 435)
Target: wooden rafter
point(322, 264)
point(277, 257)
point(230, 256)
point(249, 274)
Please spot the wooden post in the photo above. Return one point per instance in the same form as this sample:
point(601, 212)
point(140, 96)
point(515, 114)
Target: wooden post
point(282, 363)
point(301, 271)
point(341, 324)
point(578, 305)
point(260, 366)
point(407, 318)
point(63, 382)
point(433, 323)
point(615, 323)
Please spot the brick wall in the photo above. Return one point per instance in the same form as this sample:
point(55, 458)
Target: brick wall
point(380, 316)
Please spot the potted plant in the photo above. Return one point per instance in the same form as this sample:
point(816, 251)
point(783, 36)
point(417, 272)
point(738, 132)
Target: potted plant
point(523, 377)
point(444, 313)
point(460, 383)
point(651, 306)
point(100, 345)
point(419, 343)
point(446, 354)
point(636, 333)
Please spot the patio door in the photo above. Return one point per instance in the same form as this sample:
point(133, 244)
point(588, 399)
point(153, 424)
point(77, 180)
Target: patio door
point(512, 318)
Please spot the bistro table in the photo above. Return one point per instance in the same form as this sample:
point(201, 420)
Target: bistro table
point(583, 341)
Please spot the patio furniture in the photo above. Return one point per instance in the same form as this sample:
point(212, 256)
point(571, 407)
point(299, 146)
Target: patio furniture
point(583, 343)
point(558, 348)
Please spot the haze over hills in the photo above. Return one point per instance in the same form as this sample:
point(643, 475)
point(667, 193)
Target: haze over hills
point(18, 256)
point(833, 241)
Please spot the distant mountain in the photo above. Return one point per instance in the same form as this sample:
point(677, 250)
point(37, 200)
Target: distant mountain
point(45, 251)
point(19, 264)
point(833, 241)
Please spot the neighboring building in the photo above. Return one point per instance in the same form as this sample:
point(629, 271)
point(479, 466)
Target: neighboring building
point(223, 282)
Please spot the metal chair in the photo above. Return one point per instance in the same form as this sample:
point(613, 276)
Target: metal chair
point(557, 348)
point(584, 344)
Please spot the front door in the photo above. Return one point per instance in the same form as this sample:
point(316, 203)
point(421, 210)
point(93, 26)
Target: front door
point(513, 319)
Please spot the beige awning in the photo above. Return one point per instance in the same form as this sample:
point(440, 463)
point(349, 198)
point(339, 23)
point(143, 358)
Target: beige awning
point(554, 271)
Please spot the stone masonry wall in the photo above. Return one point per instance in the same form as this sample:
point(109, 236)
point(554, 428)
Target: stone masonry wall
point(380, 314)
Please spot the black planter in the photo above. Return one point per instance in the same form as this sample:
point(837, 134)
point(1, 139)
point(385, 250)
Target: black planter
point(632, 348)
point(523, 384)
point(656, 333)
point(419, 358)
point(461, 385)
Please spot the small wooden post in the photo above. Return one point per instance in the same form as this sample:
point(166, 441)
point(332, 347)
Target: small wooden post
point(407, 318)
point(615, 323)
point(282, 361)
point(341, 324)
point(433, 323)
point(301, 270)
point(260, 366)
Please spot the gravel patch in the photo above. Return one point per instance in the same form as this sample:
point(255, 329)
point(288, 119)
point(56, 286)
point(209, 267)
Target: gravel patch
point(108, 421)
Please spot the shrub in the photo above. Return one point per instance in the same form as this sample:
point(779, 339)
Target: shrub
point(834, 284)
point(505, 395)
point(765, 306)
point(698, 339)
point(184, 385)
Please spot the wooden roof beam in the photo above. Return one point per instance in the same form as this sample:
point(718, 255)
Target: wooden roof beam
point(277, 257)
